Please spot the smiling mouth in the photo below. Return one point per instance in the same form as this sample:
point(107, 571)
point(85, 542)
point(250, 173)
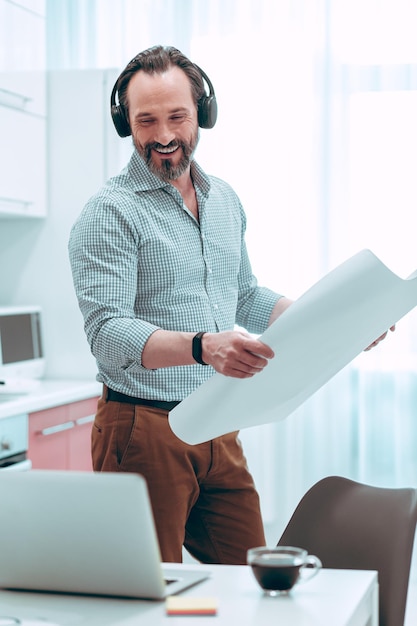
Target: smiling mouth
point(166, 149)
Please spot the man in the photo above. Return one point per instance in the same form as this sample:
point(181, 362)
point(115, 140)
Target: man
point(162, 275)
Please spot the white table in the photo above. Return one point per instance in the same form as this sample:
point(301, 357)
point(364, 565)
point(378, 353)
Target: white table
point(332, 598)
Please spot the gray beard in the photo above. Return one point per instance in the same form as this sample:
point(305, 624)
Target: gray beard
point(167, 171)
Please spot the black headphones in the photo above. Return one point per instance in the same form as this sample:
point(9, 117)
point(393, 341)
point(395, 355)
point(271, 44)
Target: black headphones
point(207, 109)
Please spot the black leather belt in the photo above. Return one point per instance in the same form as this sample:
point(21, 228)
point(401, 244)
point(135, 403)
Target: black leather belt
point(116, 396)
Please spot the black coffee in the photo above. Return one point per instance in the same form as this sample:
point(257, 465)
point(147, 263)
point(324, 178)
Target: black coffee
point(276, 574)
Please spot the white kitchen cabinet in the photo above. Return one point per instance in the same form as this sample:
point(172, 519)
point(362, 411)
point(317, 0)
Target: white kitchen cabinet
point(83, 150)
point(35, 6)
point(24, 91)
point(22, 35)
point(23, 154)
point(23, 110)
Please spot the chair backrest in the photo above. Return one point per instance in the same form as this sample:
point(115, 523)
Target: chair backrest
point(349, 525)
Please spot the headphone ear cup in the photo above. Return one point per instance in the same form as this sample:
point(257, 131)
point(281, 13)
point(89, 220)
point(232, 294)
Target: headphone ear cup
point(119, 120)
point(207, 111)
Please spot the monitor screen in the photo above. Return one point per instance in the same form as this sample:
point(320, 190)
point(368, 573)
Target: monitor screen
point(21, 349)
point(20, 337)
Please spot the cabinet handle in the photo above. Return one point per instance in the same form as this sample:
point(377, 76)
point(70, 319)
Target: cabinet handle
point(13, 204)
point(85, 420)
point(51, 430)
point(13, 99)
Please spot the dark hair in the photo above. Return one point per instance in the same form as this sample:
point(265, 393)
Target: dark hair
point(157, 60)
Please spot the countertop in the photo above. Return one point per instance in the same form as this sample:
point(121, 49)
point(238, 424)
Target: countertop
point(48, 394)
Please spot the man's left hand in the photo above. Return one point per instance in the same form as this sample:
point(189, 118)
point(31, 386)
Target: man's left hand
point(381, 338)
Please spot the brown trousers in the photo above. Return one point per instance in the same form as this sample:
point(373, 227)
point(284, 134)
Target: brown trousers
point(202, 496)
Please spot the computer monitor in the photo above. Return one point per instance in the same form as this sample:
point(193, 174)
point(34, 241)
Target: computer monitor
point(21, 349)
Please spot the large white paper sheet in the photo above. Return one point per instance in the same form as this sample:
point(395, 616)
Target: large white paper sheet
point(318, 335)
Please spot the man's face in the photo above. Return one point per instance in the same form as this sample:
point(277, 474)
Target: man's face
point(163, 121)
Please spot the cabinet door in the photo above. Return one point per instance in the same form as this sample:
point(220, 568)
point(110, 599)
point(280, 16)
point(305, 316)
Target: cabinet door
point(23, 108)
point(23, 35)
point(24, 91)
point(60, 437)
point(48, 438)
point(23, 163)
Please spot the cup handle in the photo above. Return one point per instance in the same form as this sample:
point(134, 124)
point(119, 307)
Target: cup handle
point(311, 566)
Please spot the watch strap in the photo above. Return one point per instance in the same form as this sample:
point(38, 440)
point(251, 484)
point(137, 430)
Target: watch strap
point(197, 349)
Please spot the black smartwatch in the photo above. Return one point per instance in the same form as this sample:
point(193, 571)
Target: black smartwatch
point(197, 349)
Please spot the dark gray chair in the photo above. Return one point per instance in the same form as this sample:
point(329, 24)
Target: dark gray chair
point(349, 525)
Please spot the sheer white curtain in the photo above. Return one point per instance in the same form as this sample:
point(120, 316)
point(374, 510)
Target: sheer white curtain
point(317, 132)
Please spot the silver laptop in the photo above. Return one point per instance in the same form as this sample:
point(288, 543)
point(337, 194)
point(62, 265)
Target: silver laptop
point(84, 533)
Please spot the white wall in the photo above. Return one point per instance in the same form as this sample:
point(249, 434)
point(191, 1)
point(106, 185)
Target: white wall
point(83, 151)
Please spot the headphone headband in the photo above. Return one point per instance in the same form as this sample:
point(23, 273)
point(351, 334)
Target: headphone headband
point(206, 110)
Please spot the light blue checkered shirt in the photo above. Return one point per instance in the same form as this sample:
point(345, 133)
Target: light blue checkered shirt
point(141, 261)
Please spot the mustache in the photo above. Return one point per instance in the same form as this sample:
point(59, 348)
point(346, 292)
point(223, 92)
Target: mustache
point(154, 145)
point(173, 145)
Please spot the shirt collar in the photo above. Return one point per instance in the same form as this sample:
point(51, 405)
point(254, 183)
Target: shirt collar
point(144, 180)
